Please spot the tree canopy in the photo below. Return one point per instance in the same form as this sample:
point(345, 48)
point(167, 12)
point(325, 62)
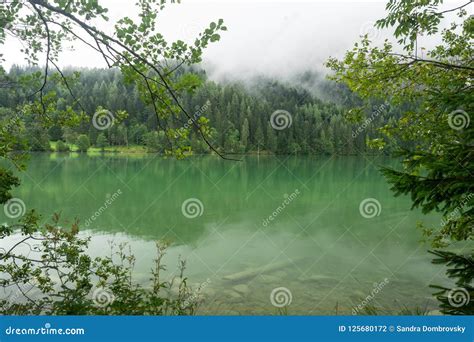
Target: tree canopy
point(141, 53)
point(435, 136)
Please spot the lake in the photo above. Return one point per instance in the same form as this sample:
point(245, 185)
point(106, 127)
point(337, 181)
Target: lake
point(320, 235)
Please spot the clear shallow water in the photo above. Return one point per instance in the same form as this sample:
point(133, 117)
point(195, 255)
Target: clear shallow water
point(317, 246)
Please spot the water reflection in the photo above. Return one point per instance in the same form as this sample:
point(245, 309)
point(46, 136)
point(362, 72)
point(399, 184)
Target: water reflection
point(318, 246)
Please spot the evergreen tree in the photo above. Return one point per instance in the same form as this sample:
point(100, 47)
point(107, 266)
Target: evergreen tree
point(271, 139)
point(434, 130)
point(227, 107)
point(102, 141)
point(244, 135)
point(259, 138)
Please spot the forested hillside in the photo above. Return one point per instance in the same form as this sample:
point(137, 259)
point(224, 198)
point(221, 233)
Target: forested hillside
point(240, 116)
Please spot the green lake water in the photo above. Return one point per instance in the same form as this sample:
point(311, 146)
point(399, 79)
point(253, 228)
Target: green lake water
point(317, 245)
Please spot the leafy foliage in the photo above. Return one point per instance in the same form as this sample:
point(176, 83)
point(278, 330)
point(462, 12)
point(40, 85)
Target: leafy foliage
point(435, 134)
point(142, 54)
point(146, 59)
point(62, 147)
point(460, 268)
point(56, 276)
point(83, 143)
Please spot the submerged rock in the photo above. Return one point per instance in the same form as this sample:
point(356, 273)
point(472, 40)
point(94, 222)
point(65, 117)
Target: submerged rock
point(252, 273)
point(242, 289)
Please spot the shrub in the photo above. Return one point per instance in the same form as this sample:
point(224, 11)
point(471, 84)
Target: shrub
point(83, 143)
point(62, 147)
point(67, 281)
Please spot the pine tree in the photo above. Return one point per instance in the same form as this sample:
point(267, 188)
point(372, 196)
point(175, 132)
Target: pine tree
point(456, 301)
point(102, 141)
point(244, 135)
point(434, 130)
point(259, 138)
point(271, 139)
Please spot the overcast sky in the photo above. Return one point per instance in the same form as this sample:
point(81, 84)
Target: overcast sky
point(269, 37)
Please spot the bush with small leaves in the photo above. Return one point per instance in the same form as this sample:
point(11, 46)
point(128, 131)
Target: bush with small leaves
point(62, 147)
point(58, 276)
point(83, 143)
